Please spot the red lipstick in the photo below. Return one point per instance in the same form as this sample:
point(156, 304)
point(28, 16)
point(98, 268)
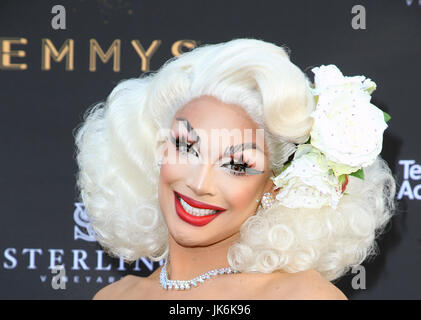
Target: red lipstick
point(191, 219)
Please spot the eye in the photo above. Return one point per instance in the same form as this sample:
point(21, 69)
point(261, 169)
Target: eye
point(240, 169)
point(235, 168)
point(182, 146)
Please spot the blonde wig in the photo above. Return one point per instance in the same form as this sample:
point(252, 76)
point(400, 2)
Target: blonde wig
point(117, 151)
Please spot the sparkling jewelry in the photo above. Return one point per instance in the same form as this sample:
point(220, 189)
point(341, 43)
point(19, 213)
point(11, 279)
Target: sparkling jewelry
point(187, 284)
point(267, 200)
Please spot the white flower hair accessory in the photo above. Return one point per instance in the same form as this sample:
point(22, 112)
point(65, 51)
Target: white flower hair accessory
point(346, 136)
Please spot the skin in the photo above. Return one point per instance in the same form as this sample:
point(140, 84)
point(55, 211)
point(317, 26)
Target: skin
point(204, 175)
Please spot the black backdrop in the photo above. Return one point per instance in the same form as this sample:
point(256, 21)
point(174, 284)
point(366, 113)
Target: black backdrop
point(41, 222)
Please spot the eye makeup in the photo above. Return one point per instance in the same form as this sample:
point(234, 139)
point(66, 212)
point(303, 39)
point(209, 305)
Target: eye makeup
point(181, 142)
point(229, 149)
point(245, 168)
point(190, 129)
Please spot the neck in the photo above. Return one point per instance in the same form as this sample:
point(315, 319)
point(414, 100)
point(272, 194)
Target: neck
point(186, 263)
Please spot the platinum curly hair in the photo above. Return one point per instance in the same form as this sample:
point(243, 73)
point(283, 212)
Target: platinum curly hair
point(117, 151)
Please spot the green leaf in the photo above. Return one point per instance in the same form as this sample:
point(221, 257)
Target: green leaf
point(345, 193)
point(342, 178)
point(278, 171)
point(285, 166)
point(358, 174)
point(387, 116)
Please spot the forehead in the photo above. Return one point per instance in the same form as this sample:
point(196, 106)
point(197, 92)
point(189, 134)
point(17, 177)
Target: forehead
point(207, 112)
point(210, 120)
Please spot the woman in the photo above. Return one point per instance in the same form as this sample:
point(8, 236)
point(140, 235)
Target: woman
point(209, 164)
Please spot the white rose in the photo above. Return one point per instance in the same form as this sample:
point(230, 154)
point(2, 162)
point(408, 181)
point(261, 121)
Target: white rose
point(330, 75)
point(307, 182)
point(348, 129)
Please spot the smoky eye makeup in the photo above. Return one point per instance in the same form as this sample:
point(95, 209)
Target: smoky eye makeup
point(247, 167)
point(236, 165)
point(190, 130)
point(184, 144)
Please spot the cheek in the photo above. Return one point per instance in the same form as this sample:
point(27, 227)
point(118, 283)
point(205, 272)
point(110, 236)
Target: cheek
point(170, 171)
point(169, 176)
point(241, 194)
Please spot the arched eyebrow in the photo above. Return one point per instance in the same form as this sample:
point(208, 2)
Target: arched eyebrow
point(241, 147)
point(229, 150)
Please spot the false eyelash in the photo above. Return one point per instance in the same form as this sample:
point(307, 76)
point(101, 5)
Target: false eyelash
point(245, 166)
point(182, 141)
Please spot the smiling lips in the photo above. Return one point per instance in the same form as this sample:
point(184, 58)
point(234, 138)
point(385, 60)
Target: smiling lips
point(192, 219)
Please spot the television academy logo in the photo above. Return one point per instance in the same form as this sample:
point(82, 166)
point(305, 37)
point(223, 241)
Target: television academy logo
point(411, 173)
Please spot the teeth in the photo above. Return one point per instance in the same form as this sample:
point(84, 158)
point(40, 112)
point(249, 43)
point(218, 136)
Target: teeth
point(195, 211)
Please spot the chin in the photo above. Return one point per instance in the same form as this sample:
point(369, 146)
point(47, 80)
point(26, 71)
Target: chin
point(197, 237)
point(188, 239)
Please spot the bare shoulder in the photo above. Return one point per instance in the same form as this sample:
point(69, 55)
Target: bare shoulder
point(305, 285)
point(311, 285)
point(117, 289)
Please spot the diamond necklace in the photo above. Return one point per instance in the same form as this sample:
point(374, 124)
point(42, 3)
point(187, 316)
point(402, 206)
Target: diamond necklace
point(187, 284)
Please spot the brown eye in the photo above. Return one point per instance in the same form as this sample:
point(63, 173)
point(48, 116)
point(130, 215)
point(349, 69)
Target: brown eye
point(241, 169)
point(237, 169)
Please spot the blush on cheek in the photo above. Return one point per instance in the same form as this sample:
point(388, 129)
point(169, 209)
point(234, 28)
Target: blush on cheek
point(170, 173)
point(165, 181)
point(172, 176)
point(241, 196)
point(164, 171)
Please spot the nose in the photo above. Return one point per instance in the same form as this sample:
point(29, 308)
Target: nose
point(201, 181)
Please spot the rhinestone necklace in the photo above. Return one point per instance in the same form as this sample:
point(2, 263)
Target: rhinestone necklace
point(187, 284)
